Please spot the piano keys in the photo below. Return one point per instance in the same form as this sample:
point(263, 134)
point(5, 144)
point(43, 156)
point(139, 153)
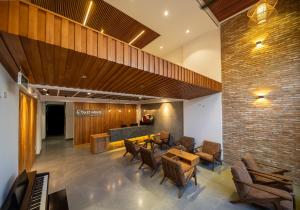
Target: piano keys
point(30, 192)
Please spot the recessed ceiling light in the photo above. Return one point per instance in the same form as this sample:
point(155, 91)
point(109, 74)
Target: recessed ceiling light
point(47, 94)
point(161, 47)
point(89, 93)
point(166, 13)
point(140, 97)
point(44, 89)
point(187, 31)
point(83, 76)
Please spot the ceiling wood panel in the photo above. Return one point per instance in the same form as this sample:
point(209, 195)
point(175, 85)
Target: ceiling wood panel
point(223, 9)
point(66, 51)
point(102, 16)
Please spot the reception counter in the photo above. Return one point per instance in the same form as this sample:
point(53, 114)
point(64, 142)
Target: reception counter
point(113, 139)
point(117, 134)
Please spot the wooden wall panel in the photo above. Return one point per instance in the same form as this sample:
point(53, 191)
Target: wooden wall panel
point(27, 131)
point(113, 116)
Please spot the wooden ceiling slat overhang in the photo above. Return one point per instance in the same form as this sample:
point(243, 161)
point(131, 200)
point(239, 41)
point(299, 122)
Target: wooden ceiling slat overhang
point(102, 16)
point(54, 50)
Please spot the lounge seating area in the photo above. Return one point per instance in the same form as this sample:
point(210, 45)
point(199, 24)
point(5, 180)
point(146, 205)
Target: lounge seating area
point(149, 104)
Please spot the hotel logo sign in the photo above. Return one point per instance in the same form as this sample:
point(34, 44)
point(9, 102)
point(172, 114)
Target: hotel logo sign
point(88, 113)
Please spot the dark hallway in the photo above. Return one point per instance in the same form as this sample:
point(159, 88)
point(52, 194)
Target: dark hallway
point(55, 120)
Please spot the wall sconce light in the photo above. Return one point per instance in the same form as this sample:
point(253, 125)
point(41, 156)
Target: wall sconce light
point(259, 44)
point(262, 11)
point(119, 110)
point(109, 110)
point(260, 97)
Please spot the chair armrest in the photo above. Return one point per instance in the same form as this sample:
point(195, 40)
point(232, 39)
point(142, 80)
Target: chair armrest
point(265, 190)
point(271, 166)
point(198, 148)
point(283, 180)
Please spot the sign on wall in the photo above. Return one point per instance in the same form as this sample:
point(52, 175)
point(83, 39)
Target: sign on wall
point(88, 113)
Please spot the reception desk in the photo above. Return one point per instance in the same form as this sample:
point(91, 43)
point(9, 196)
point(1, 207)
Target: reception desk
point(113, 139)
point(117, 134)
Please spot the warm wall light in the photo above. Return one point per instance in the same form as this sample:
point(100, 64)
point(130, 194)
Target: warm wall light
point(135, 38)
point(119, 110)
point(259, 44)
point(262, 11)
point(187, 31)
point(109, 110)
point(260, 97)
point(102, 31)
point(166, 13)
point(87, 13)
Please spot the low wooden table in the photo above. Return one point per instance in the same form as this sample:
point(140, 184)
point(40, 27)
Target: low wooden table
point(187, 159)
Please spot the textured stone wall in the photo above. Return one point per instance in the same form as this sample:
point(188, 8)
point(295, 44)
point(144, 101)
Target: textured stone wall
point(269, 128)
point(167, 116)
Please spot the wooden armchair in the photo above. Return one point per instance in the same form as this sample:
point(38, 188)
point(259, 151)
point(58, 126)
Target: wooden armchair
point(188, 143)
point(273, 178)
point(131, 148)
point(261, 195)
point(174, 171)
point(211, 152)
point(163, 138)
point(150, 160)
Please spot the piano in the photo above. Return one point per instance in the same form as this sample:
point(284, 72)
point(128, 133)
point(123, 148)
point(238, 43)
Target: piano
point(30, 192)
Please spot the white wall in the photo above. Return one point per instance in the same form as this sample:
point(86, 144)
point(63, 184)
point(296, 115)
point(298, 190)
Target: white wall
point(69, 115)
point(202, 116)
point(39, 127)
point(9, 129)
point(202, 55)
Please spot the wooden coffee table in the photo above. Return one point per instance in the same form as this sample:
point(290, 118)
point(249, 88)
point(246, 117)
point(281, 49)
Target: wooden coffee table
point(187, 159)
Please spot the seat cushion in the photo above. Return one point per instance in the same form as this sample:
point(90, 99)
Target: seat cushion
point(286, 205)
point(205, 156)
point(260, 194)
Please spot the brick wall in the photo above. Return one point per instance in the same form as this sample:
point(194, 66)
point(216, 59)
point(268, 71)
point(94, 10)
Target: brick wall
point(269, 128)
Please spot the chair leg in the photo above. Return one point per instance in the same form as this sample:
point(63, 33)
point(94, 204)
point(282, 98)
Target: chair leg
point(132, 158)
point(125, 154)
point(180, 191)
point(141, 165)
point(163, 179)
point(153, 172)
point(195, 177)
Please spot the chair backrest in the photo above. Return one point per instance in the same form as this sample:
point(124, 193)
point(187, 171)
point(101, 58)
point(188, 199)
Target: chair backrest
point(165, 136)
point(210, 147)
point(148, 157)
point(130, 147)
point(239, 172)
point(188, 143)
point(250, 162)
point(173, 170)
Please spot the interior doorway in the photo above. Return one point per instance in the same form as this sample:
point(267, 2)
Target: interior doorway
point(55, 120)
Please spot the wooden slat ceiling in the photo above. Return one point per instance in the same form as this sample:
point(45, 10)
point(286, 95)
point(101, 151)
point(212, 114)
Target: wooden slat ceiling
point(102, 16)
point(223, 9)
point(55, 51)
point(67, 93)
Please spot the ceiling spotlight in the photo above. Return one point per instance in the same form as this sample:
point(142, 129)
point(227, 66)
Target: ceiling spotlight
point(102, 31)
point(187, 31)
point(44, 89)
point(140, 97)
point(89, 93)
point(161, 47)
point(166, 13)
point(47, 94)
point(83, 76)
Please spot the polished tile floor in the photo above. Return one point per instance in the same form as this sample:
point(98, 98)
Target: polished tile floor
point(108, 181)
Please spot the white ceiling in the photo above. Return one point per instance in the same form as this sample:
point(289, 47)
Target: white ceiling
point(183, 15)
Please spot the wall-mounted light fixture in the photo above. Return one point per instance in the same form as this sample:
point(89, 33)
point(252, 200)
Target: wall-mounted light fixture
point(260, 97)
point(259, 44)
point(262, 11)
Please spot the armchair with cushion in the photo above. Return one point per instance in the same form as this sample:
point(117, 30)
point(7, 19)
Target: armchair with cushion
point(261, 195)
point(163, 138)
point(174, 171)
point(188, 143)
point(274, 178)
point(150, 160)
point(210, 151)
point(131, 148)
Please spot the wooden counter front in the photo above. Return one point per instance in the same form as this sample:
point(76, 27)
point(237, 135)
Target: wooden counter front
point(99, 142)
